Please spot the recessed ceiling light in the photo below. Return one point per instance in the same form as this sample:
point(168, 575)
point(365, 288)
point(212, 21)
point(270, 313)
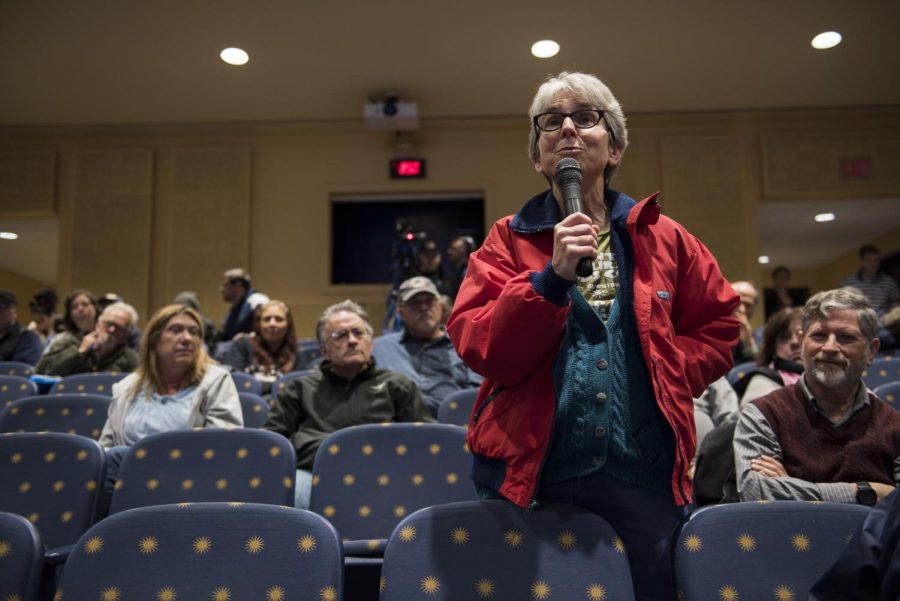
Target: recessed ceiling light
point(826, 39)
point(8, 235)
point(763, 259)
point(545, 48)
point(234, 56)
point(824, 217)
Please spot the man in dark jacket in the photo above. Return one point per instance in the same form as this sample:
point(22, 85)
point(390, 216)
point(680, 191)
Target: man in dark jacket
point(17, 343)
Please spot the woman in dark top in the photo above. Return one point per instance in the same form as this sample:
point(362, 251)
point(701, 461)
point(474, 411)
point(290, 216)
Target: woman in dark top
point(271, 349)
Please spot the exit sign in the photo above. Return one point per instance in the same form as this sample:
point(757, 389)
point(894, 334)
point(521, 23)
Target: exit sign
point(407, 168)
point(856, 168)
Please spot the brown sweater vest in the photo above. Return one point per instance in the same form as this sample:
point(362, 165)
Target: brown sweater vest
point(814, 450)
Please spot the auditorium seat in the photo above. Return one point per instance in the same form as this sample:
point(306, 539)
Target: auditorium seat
point(246, 383)
point(278, 384)
point(16, 368)
point(15, 387)
point(83, 414)
point(94, 383)
point(882, 370)
point(457, 407)
point(21, 558)
point(889, 393)
point(255, 409)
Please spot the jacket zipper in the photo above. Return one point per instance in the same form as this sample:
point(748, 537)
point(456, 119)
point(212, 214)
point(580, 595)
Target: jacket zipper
point(500, 388)
point(678, 447)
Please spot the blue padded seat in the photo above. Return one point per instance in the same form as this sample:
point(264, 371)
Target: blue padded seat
point(13, 388)
point(761, 550)
point(279, 383)
point(16, 368)
point(207, 552)
point(100, 382)
point(246, 383)
point(457, 407)
point(255, 409)
point(21, 558)
point(488, 550)
point(882, 370)
point(889, 393)
point(82, 414)
point(213, 464)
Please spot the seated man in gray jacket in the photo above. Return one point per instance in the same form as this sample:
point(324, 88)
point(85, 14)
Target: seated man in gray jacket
point(349, 390)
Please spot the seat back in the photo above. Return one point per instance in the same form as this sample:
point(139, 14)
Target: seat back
point(882, 370)
point(16, 368)
point(15, 387)
point(255, 409)
point(367, 478)
point(217, 551)
point(21, 558)
point(278, 384)
point(889, 393)
point(487, 549)
point(457, 407)
point(215, 464)
point(767, 550)
point(96, 383)
point(308, 350)
point(82, 414)
point(246, 383)
point(739, 371)
point(54, 480)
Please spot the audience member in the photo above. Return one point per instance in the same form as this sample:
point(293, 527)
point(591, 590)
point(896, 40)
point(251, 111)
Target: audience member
point(43, 309)
point(79, 318)
point(781, 295)
point(104, 349)
point(880, 288)
point(235, 291)
point(17, 343)
point(746, 347)
point(134, 338)
point(348, 390)
point(429, 263)
point(825, 438)
point(271, 349)
point(778, 360)
point(176, 387)
point(422, 351)
point(210, 334)
point(458, 252)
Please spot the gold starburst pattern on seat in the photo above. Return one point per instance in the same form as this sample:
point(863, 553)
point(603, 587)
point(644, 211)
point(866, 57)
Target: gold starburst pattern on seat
point(93, 545)
point(49, 457)
point(13, 597)
point(287, 481)
point(383, 480)
point(66, 517)
point(399, 511)
point(417, 479)
point(59, 595)
point(110, 593)
point(202, 545)
point(58, 485)
point(174, 454)
point(434, 449)
point(382, 584)
point(801, 542)
point(452, 478)
point(459, 535)
point(91, 485)
point(430, 585)
point(5, 548)
point(167, 594)
point(315, 479)
point(152, 484)
point(334, 449)
point(254, 545)
point(513, 538)
point(89, 411)
point(24, 487)
point(148, 545)
point(241, 453)
point(365, 511)
point(209, 454)
point(400, 449)
point(728, 593)
point(275, 593)
point(40, 411)
point(255, 482)
point(328, 593)
point(81, 456)
point(183, 505)
point(64, 411)
point(15, 458)
point(692, 543)
point(596, 592)
point(187, 484)
point(567, 540)
point(235, 503)
point(274, 452)
point(762, 502)
point(540, 589)
point(34, 517)
point(485, 587)
point(223, 593)
point(221, 484)
point(367, 449)
point(140, 453)
point(407, 533)
point(373, 544)
point(784, 593)
point(329, 511)
point(119, 484)
point(746, 542)
point(349, 480)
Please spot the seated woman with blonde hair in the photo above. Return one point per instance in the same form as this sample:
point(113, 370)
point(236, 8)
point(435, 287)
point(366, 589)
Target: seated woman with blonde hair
point(271, 349)
point(176, 387)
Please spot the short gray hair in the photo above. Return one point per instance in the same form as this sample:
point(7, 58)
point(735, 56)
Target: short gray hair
point(820, 304)
point(592, 90)
point(124, 307)
point(347, 306)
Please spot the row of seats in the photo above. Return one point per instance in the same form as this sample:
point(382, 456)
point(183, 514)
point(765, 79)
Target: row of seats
point(465, 550)
point(883, 370)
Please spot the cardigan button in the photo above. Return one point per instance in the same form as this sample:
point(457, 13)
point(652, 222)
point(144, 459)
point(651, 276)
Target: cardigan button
point(602, 364)
point(600, 432)
point(601, 397)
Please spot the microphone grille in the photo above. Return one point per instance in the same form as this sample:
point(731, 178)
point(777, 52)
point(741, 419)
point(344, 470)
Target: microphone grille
point(568, 171)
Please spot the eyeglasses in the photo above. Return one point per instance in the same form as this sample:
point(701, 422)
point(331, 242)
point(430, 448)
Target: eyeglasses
point(583, 119)
point(341, 335)
point(117, 328)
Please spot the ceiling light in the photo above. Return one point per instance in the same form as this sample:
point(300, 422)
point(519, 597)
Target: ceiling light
point(8, 235)
point(824, 217)
point(763, 259)
point(545, 48)
point(826, 39)
point(234, 56)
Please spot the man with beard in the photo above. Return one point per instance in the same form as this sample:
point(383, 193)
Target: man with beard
point(825, 438)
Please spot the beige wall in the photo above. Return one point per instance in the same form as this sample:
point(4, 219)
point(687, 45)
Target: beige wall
point(149, 211)
point(24, 288)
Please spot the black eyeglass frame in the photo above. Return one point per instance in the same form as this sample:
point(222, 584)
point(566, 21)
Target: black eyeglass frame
point(601, 115)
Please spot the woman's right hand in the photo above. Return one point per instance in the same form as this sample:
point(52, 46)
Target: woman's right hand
point(573, 238)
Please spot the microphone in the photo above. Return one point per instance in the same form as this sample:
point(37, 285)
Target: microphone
point(568, 180)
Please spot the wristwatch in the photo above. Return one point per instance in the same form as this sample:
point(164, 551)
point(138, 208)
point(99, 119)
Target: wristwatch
point(865, 494)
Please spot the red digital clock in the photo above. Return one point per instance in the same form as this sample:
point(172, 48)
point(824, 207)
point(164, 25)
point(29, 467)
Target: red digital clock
point(407, 168)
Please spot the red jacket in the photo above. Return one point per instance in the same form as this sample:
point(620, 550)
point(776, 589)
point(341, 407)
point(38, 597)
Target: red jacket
point(506, 331)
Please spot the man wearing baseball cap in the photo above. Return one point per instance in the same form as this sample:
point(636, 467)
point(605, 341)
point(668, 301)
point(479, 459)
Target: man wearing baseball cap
point(17, 343)
point(421, 350)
